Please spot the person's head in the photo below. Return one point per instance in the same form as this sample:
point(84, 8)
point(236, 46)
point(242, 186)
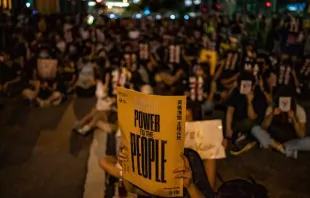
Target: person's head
point(270, 78)
point(246, 76)
point(241, 189)
point(199, 71)
point(285, 92)
point(233, 42)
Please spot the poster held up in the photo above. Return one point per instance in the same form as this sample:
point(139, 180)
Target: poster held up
point(152, 130)
point(205, 137)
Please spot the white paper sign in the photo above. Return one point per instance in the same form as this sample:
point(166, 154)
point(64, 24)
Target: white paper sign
point(285, 104)
point(47, 68)
point(245, 87)
point(205, 138)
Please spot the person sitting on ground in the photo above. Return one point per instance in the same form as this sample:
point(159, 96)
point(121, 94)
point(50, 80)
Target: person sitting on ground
point(10, 75)
point(48, 95)
point(104, 104)
point(67, 75)
point(242, 113)
point(86, 84)
point(31, 85)
point(193, 113)
point(284, 126)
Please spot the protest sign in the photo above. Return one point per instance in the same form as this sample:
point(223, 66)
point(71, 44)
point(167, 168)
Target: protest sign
point(152, 129)
point(245, 87)
point(285, 104)
point(205, 138)
point(47, 68)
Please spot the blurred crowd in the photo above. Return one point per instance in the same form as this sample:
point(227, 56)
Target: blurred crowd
point(253, 68)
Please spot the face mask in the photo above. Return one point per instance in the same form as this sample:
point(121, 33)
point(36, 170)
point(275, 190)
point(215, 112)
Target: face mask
point(61, 46)
point(43, 55)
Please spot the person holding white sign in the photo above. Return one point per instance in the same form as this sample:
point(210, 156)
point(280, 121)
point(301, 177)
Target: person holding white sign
point(242, 113)
point(284, 126)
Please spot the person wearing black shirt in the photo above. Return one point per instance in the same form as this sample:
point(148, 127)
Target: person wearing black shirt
point(31, 84)
point(201, 89)
point(48, 95)
point(242, 112)
point(228, 71)
point(10, 76)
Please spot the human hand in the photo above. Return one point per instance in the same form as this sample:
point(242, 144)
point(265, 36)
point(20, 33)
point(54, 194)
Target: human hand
point(276, 111)
point(250, 96)
point(291, 114)
point(122, 155)
point(184, 172)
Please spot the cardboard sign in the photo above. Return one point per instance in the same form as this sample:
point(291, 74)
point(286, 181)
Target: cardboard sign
point(205, 138)
point(285, 104)
point(245, 87)
point(47, 68)
point(152, 129)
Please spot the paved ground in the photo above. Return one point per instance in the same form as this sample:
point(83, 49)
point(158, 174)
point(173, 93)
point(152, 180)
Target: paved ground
point(40, 158)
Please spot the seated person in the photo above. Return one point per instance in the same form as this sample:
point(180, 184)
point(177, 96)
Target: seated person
point(86, 84)
point(10, 75)
point(242, 113)
point(193, 113)
point(268, 83)
point(201, 89)
point(67, 73)
point(48, 95)
point(31, 85)
point(284, 126)
point(100, 112)
point(227, 74)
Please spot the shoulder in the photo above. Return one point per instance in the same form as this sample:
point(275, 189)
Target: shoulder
point(301, 114)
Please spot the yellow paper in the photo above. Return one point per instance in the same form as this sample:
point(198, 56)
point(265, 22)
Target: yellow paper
point(153, 129)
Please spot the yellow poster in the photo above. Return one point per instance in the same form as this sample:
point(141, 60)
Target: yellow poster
point(153, 132)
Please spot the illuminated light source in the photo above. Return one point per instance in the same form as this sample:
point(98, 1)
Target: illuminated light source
point(217, 6)
point(91, 3)
point(28, 5)
point(136, 1)
point(186, 17)
point(99, 1)
point(147, 11)
point(158, 17)
point(112, 16)
point(116, 4)
point(268, 4)
point(172, 16)
point(138, 16)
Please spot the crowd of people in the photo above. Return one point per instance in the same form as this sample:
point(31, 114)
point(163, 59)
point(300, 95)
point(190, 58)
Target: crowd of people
point(253, 69)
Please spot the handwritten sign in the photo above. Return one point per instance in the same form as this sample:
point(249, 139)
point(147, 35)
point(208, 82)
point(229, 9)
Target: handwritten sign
point(47, 68)
point(285, 104)
point(152, 129)
point(206, 138)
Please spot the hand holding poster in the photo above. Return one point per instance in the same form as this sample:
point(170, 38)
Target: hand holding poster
point(47, 68)
point(205, 138)
point(152, 130)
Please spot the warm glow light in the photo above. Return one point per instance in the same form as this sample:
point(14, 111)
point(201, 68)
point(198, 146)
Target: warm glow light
point(117, 4)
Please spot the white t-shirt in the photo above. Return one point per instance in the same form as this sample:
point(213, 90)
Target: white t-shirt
point(103, 102)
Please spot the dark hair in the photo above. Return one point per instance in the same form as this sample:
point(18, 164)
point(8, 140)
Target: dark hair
point(239, 188)
point(246, 76)
point(195, 107)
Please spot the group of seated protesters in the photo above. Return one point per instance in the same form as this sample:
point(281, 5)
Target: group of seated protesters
point(256, 91)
